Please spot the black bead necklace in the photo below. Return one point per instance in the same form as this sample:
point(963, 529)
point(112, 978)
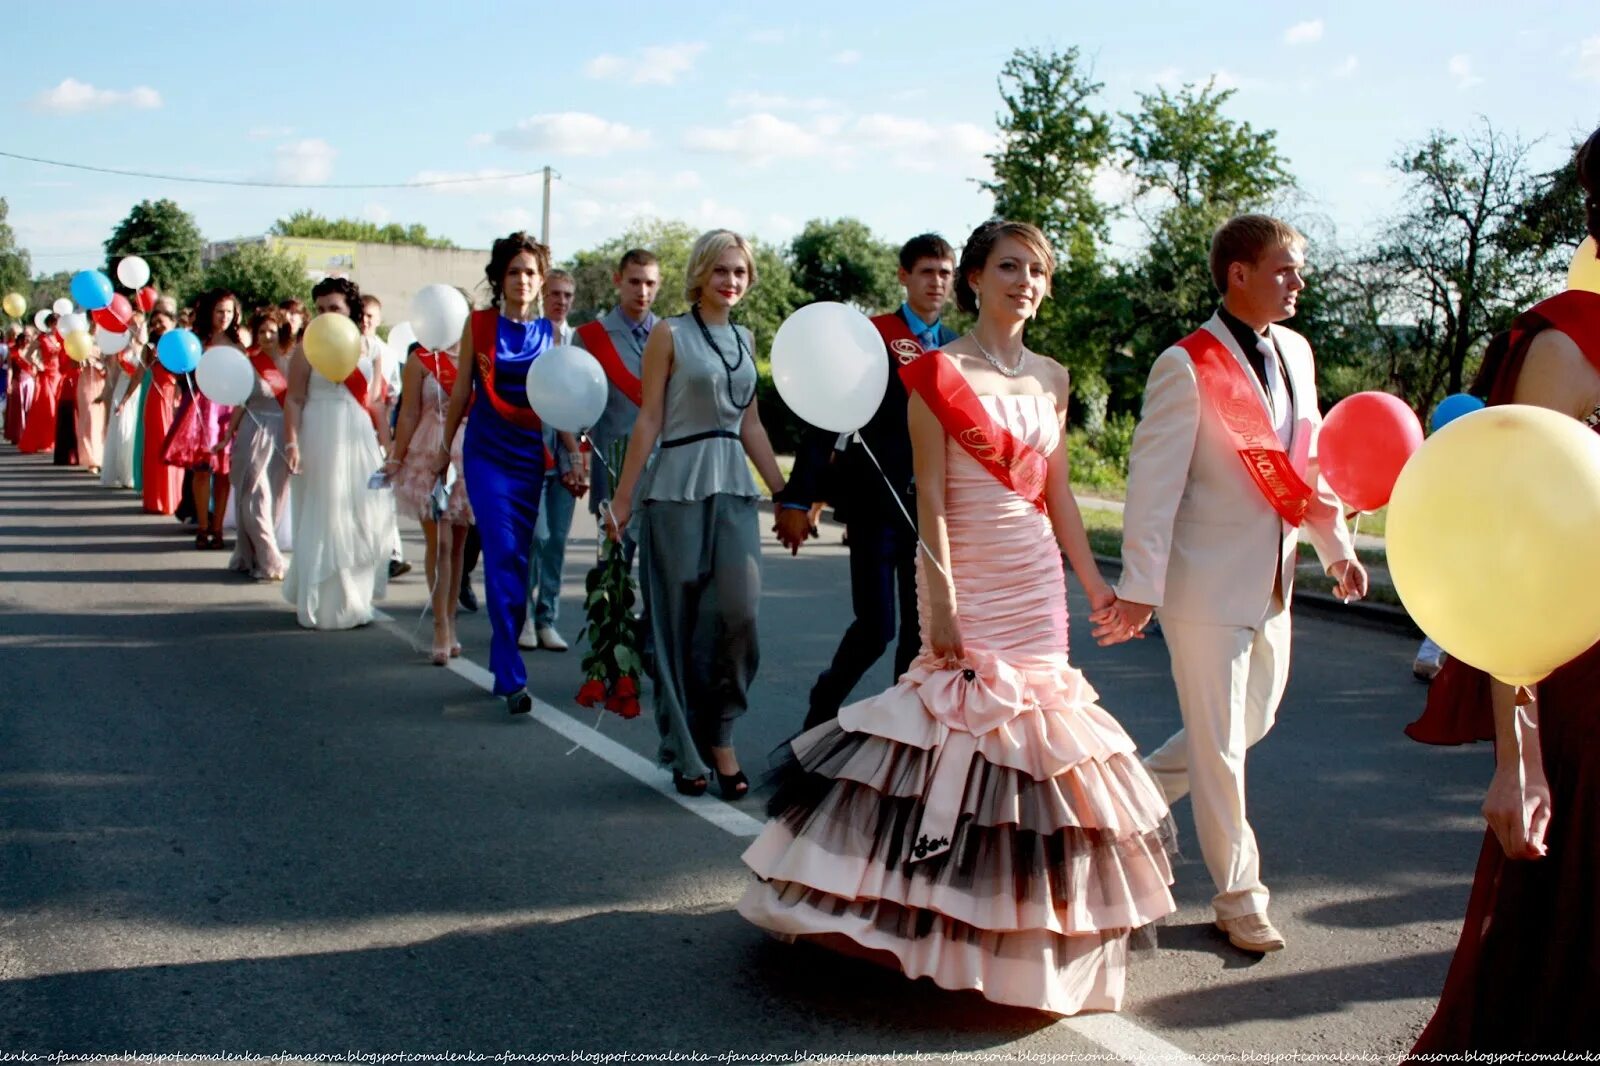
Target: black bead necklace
point(738, 359)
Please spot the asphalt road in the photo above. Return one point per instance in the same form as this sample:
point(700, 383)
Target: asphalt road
point(220, 833)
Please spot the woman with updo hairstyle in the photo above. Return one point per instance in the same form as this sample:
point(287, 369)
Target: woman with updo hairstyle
point(699, 539)
point(1525, 977)
point(984, 822)
point(503, 448)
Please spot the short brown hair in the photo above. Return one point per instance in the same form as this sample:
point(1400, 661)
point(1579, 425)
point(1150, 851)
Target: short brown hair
point(1244, 239)
point(640, 256)
point(558, 274)
point(975, 256)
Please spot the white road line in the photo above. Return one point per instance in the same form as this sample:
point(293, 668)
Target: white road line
point(1114, 1032)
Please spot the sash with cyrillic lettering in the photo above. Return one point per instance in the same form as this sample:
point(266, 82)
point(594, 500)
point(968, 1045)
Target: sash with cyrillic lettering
point(270, 374)
point(1013, 461)
point(904, 348)
point(441, 366)
point(485, 339)
point(1225, 384)
point(598, 342)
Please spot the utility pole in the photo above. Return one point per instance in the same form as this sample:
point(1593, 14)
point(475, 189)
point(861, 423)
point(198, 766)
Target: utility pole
point(544, 225)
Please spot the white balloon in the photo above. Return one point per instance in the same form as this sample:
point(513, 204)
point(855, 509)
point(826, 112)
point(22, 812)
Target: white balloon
point(62, 306)
point(108, 342)
point(225, 376)
point(133, 272)
point(39, 317)
point(438, 315)
point(401, 338)
point(830, 366)
point(75, 322)
point(567, 388)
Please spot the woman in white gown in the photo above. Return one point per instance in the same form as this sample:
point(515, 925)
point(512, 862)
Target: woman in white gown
point(342, 529)
point(116, 471)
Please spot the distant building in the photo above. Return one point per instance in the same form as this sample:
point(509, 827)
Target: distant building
point(391, 272)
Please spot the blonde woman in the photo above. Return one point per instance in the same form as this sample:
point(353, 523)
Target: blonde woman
point(699, 543)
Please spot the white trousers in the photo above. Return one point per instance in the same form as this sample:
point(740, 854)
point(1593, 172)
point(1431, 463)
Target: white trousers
point(1230, 680)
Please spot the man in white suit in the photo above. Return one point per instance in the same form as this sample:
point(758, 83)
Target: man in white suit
point(1222, 478)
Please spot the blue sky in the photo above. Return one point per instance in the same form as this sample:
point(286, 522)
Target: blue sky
point(755, 116)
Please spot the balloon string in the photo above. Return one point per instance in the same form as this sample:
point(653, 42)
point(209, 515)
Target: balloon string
point(901, 504)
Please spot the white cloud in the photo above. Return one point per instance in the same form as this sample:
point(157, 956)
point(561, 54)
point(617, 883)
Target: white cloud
point(907, 143)
point(1347, 68)
point(377, 214)
point(480, 140)
point(1304, 32)
point(847, 57)
point(73, 96)
point(512, 218)
point(486, 180)
point(1113, 184)
point(571, 133)
point(1460, 68)
point(759, 138)
point(269, 133)
point(633, 182)
point(1168, 77)
point(69, 228)
point(657, 64)
point(759, 101)
point(1589, 59)
point(306, 162)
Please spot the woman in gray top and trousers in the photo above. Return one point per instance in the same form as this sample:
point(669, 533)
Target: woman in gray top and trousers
point(699, 536)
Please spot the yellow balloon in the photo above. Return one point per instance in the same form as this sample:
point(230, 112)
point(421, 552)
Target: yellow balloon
point(1585, 270)
point(333, 346)
point(1491, 540)
point(80, 345)
point(14, 304)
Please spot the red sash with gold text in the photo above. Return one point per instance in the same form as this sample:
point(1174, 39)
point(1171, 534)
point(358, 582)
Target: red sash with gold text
point(1011, 460)
point(270, 374)
point(441, 366)
point(598, 343)
point(485, 337)
point(904, 348)
point(1225, 383)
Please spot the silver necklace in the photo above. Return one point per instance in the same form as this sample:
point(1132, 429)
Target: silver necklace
point(1008, 371)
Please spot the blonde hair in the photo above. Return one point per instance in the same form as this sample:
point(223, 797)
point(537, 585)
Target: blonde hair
point(703, 259)
point(1244, 238)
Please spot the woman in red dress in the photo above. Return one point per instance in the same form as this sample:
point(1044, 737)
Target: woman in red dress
point(163, 484)
point(1526, 972)
point(39, 422)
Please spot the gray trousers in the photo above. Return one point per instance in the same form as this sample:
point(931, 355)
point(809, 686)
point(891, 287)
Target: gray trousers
point(700, 569)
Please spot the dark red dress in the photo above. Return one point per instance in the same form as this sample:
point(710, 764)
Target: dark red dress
point(1526, 972)
point(39, 424)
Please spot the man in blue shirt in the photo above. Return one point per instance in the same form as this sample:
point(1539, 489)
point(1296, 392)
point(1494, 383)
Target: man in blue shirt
point(879, 507)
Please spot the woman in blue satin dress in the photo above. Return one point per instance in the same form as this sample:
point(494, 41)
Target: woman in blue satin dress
point(503, 449)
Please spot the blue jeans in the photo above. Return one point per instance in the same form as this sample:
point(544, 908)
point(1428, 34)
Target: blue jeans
point(550, 551)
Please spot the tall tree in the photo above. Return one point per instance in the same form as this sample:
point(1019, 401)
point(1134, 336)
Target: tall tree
point(15, 264)
point(259, 275)
point(165, 236)
point(842, 261)
point(309, 224)
point(592, 268)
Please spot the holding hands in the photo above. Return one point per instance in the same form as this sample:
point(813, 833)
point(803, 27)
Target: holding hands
point(793, 527)
point(1119, 620)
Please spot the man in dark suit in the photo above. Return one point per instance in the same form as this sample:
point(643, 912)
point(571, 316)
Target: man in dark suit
point(879, 507)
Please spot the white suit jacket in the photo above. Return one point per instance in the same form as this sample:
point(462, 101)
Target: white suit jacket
point(1199, 540)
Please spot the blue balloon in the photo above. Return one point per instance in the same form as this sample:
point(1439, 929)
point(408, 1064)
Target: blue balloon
point(179, 351)
point(1453, 407)
point(91, 289)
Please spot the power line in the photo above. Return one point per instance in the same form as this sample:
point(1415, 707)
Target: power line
point(275, 184)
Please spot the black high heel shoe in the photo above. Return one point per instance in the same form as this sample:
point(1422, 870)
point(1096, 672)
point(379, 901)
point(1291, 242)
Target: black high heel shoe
point(689, 786)
point(734, 786)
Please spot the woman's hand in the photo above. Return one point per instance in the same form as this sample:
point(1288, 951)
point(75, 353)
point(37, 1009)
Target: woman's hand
point(441, 459)
point(291, 456)
point(1517, 808)
point(945, 636)
point(617, 514)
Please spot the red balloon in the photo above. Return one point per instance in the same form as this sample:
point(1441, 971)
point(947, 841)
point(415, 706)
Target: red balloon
point(115, 315)
point(1365, 441)
point(147, 298)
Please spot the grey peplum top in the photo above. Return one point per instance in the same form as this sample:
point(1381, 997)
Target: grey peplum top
point(700, 413)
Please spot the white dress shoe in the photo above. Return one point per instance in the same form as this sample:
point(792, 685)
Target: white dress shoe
point(549, 639)
point(528, 638)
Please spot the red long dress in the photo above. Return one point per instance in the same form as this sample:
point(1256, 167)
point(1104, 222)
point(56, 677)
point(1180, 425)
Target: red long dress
point(1526, 972)
point(163, 484)
point(39, 426)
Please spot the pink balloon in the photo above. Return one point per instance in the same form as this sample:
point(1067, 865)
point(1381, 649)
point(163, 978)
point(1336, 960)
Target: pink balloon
point(1365, 441)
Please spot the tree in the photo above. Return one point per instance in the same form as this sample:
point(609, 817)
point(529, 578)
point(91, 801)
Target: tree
point(309, 224)
point(1052, 145)
point(259, 275)
point(15, 264)
point(166, 236)
point(592, 269)
point(842, 261)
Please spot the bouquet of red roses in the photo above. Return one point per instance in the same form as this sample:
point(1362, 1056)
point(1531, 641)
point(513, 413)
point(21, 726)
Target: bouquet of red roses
point(613, 663)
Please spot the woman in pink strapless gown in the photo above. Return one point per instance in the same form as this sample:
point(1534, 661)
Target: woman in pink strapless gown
point(984, 822)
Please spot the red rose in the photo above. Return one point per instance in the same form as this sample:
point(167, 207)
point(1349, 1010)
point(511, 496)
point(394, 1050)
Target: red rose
point(629, 708)
point(625, 687)
point(592, 692)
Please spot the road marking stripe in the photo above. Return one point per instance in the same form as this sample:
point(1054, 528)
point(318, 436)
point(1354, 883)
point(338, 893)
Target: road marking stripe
point(1114, 1032)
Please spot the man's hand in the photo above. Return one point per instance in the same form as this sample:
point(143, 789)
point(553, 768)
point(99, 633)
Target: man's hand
point(1125, 620)
point(1352, 579)
point(793, 527)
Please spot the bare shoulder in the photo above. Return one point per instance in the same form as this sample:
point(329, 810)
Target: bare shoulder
point(1055, 377)
point(1555, 350)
